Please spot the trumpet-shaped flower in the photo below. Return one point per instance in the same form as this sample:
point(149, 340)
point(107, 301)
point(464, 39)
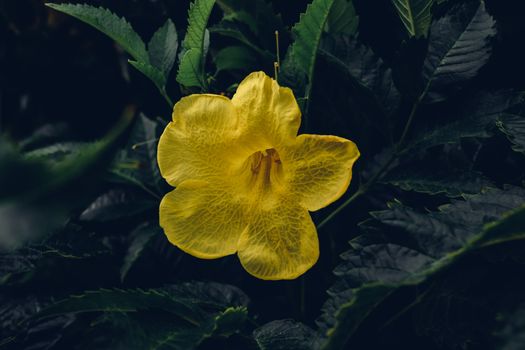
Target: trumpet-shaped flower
point(245, 181)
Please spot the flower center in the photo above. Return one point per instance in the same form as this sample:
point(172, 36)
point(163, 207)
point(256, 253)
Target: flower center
point(266, 170)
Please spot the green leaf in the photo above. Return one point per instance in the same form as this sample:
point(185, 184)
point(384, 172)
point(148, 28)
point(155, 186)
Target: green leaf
point(299, 65)
point(154, 74)
point(368, 71)
point(140, 238)
point(342, 18)
point(459, 45)
point(115, 204)
point(374, 267)
point(110, 24)
point(137, 164)
point(174, 317)
point(513, 126)
point(476, 117)
point(285, 335)
point(191, 68)
point(162, 48)
point(451, 183)
point(415, 15)
point(236, 58)
point(52, 189)
point(258, 17)
point(234, 30)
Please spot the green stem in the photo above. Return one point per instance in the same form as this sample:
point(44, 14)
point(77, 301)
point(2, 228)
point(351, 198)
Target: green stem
point(166, 97)
point(364, 188)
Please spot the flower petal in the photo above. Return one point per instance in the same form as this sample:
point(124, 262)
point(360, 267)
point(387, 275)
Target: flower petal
point(279, 243)
point(271, 112)
point(203, 220)
point(319, 168)
point(198, 143)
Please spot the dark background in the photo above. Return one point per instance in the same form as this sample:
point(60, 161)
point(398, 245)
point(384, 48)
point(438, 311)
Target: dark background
point(56, 69)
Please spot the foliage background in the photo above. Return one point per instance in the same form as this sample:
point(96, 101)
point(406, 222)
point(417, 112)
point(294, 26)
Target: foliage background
point(63, 84)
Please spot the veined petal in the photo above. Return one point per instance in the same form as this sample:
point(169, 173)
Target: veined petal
point(202, 140)
point(280, 242)
point(270, 111)
point(319, 168)
point(204, 220)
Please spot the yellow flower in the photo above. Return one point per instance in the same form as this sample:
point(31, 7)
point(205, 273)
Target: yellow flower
point(245, 181)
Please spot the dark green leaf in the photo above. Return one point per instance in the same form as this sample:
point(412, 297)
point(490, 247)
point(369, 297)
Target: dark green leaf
point(191, 68)
point(154, 74)
point(415, 15)
point(139, 238)
point(162, 48)
point(285, 335)
point(451, 183)
point(459, 45)
point(374, 268)
point(342, 19)
point(235, 58)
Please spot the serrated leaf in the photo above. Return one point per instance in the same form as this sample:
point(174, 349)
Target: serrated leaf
point(415, 15)
point(298, 67)
point(115, 27)
point(452, 183)
point(459, 46)
point(513, 126)
point(191, 68)
point(477, 117)
point(374, 268)
point(285, 335)
point(162, 48)
point(367, 70)
point(167, 318)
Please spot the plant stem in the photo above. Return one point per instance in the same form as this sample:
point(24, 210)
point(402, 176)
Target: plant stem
point(364, 188)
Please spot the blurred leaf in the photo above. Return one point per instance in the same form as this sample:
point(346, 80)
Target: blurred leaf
point(451, 183)
point(342, 18)
point(415, 15)
point(162, 48)
point(235, 58)
point(115, 27)
point(285, 335)
point(512, 335)
point(459, 45)
point(49, 191)
point(191, 68)
point(374, 268)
